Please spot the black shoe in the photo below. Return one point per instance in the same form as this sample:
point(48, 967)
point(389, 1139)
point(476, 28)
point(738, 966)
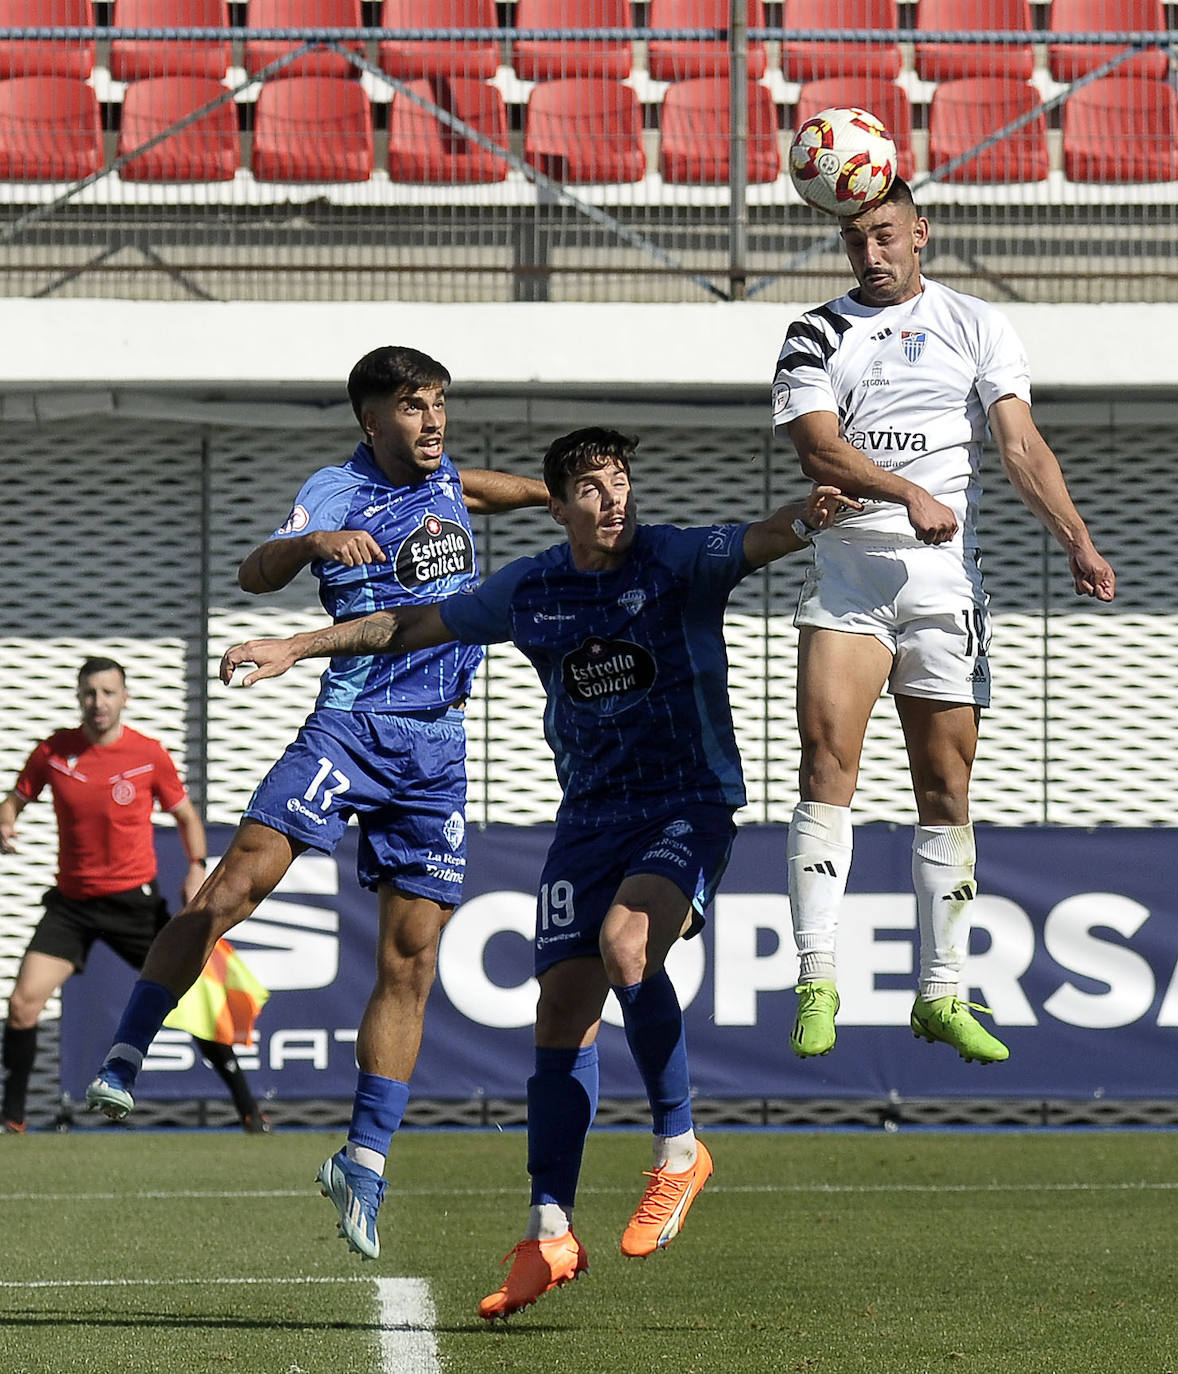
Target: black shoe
point(256, 1123)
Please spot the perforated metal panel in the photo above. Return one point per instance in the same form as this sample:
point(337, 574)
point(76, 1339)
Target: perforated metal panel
point(121, 532)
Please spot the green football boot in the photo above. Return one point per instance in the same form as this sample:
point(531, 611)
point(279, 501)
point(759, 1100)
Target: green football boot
point(813, 1031)
point(951, 1020)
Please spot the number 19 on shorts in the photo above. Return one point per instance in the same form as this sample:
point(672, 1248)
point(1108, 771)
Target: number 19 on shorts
point(556, 904)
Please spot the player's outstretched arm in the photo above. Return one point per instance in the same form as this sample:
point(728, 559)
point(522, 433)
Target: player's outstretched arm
point(383, 632)
point(276, 562)
point(775, 536)
point(485, 492)
point(827, 458)
point(1035, 474)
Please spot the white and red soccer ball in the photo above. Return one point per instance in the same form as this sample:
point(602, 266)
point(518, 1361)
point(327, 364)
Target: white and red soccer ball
point(842, 160)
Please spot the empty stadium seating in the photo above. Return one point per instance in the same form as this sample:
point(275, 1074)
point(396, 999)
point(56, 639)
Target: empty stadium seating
point(813, 60)
point(312, 128)
point(205, 150)
point(20, 58)
point(49, 129)
point(424, 149)
point(548, 60)
point(669, 59)
point(1121, 128)
point(963, 114)
point(696, 132)
point(295, 14)
point(1069, 61)
point(137, 59)
point(412, 58)
point(951, 61)
point(886, 100)
point(585, 129)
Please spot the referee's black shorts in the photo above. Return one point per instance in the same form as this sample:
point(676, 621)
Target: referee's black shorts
point(126, 921)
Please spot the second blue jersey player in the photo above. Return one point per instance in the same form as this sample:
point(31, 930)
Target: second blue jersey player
point(385, 744)
point(624, 624)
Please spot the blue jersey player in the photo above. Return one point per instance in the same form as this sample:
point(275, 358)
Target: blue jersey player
point(385, 743)
point(624, 624)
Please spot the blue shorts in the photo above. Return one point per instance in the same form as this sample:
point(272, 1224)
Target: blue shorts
point(586, 866)
point(403, 777)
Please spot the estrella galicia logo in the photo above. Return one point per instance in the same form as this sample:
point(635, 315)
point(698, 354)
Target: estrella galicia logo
point(912, 342)
point(438, 555)
point(610, 675)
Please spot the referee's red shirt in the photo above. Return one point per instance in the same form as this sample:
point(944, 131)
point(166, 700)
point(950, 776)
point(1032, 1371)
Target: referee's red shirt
point(104, 795)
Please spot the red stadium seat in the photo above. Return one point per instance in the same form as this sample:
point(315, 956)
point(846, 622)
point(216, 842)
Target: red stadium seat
point(1121, 128)
point(696, 127)
point(812, 60)
point(585, 129)
point(669, 59)
point(302, 14)
point(965, 113)
point(884, 99)
point(1069, 61)
point(75, 58)
point(951, 61)
point(423, 149)
point(546, 60)
point(139, 59)
point(207, 150)
point(49, 129)
point(411, 59)
point(312, 128)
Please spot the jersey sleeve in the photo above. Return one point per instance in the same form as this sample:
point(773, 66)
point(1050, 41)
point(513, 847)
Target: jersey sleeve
point(1003, 369)
point(711, 555)
point(323, 503)
point(801, 383)
point(35, 774)
point(166, 786)
point(483, 614)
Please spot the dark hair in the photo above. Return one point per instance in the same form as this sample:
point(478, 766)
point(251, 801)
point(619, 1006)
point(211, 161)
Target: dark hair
point(898, 193)
point(101, 665)
point(391, 371)
point(585, 450)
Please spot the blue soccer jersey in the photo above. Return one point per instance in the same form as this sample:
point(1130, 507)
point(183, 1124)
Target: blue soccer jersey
point(634, 665)
point(425, 533)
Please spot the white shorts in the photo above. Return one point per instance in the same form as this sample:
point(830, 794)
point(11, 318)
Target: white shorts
point(925, 603)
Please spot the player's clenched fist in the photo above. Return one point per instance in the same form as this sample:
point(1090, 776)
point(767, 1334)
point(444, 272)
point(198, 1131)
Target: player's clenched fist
point(352, 548)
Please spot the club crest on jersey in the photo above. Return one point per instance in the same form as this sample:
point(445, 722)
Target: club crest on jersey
point(123, 792)
point(677, 828)
point(912, 342)
point(438, 556)
point(632, 601)
point(609, 675)
point(454, 830)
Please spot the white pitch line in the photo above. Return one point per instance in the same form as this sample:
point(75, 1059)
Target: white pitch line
point(407, 1320)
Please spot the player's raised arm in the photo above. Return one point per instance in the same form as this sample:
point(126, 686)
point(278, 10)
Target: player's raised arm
point(276, 562)
point(383, 632)
point(827, 458)
point(485, 492)
point(791, 527)
point(1035, 474)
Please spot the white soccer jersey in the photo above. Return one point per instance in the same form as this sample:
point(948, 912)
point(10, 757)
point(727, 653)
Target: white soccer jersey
point(911, 385)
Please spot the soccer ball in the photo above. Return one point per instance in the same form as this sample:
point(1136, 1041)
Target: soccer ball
point(841, 160)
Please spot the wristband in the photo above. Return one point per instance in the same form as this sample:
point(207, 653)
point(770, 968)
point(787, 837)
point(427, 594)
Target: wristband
point(804, 532)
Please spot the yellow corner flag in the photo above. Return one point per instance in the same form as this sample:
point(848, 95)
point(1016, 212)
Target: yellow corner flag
point(223, 1003)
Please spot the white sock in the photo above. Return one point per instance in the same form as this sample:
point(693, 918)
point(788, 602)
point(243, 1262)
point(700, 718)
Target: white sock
point(943, 858)
point(675, 1153)
point(546, 1221)
point(370, 1159)
point(819, 858)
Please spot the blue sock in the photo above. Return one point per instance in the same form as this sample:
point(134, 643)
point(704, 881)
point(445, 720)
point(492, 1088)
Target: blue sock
point(377, 1111)
point(562, 1102)
point(142, 1017)
point(654, 1031)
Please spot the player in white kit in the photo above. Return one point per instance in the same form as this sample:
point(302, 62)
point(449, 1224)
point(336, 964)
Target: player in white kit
point(886, 393)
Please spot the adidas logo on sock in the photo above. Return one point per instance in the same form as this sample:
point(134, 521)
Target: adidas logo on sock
point(824, 867)
point(965, 893)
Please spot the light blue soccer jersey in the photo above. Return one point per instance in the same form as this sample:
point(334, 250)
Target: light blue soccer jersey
point(425, 533)
point(634, 665)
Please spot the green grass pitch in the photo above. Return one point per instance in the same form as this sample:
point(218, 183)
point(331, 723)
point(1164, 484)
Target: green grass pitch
point(128, 1250)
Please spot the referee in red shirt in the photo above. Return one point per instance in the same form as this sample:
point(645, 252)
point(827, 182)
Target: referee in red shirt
point(105, 779)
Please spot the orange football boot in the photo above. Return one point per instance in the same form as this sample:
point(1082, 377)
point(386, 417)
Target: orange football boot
point(537, 1267)
point(664, 1206)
